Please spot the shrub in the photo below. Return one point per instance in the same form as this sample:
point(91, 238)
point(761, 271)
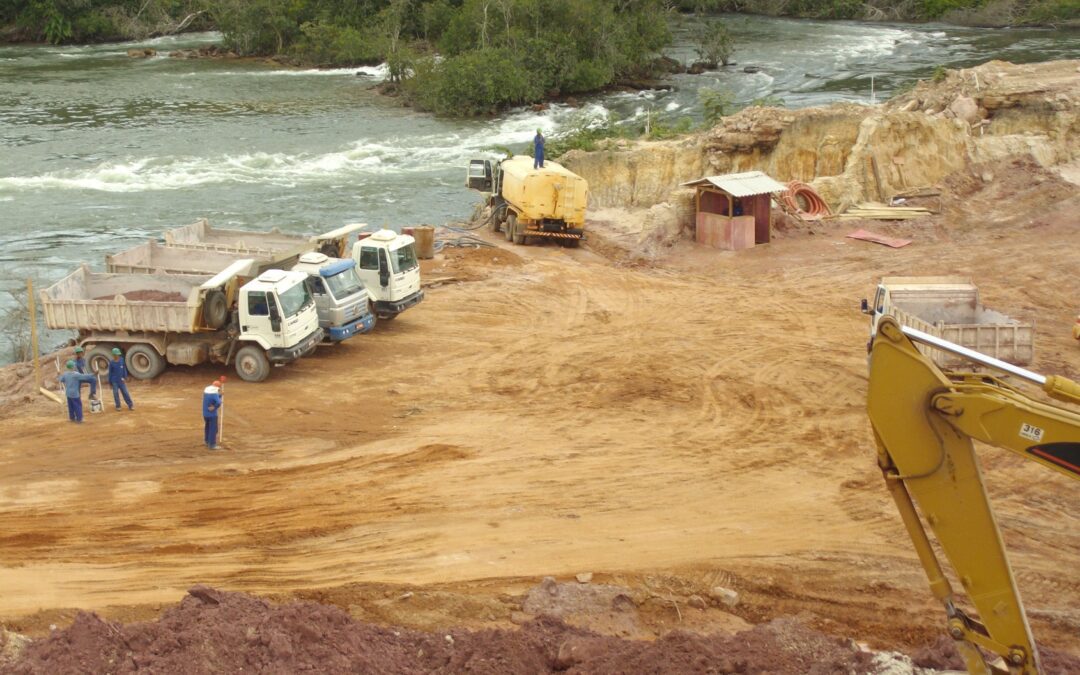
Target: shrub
point(325, 45)
point(479, 82)
point(716, 104)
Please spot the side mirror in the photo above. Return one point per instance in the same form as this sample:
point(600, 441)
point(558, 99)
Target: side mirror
point(865, 306)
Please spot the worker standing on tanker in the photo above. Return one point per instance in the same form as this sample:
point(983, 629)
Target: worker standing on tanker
point(73, 382)
point(211, 404)
point(80, 361)
point(538, 150)
point(117, 377)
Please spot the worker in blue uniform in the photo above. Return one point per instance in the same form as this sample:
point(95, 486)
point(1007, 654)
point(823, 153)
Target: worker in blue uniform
point(73, 382)
point(118, 379)
point(80, 362)
point(538, 150)
point(211, 405)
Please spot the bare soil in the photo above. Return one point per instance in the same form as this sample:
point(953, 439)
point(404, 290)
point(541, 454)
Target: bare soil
point(670, 426)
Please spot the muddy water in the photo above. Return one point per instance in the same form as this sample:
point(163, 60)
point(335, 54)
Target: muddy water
point(99, 152)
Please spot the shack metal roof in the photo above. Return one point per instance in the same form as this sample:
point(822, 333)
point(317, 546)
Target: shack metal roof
point(741, 184)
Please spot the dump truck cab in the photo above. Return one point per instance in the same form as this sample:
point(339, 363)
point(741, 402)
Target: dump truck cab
point(340, 298)
point(387, 265)
point(278, 313)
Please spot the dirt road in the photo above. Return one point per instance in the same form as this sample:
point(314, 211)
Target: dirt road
point(671, 426)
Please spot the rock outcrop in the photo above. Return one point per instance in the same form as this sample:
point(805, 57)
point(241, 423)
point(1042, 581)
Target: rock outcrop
point(851, 153)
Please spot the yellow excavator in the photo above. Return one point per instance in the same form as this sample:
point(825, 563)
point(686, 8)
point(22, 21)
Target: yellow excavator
point(924, 422)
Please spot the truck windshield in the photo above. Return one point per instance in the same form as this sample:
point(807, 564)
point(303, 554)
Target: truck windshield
point(294, 299)
point(404, 258)
point(343, 284)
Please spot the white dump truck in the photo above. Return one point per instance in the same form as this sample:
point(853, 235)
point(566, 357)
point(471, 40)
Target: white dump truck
point(386, 261)
point(160, 319)
point(340, 297)
point(950, 308)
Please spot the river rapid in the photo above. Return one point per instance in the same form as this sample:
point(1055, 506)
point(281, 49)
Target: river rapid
point(99, 151)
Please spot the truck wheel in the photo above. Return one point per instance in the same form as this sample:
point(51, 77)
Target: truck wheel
point(97, 359)
point(371, 310)
point(143, 362)
point(215, 309)
point(252, 364)
point(519, 233)
point(511, 225)
point(571, 243)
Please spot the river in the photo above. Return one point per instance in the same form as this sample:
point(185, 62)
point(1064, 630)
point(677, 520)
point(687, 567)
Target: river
point(99, 151)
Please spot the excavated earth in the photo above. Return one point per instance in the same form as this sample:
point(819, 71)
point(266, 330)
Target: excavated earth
point(677, 425)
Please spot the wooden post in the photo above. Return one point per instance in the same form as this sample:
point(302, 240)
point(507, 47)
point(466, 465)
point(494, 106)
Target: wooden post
point(32, 306)
point(33, 331)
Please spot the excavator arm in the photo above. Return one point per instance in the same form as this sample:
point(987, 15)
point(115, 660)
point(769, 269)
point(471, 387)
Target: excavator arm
point(924, 422)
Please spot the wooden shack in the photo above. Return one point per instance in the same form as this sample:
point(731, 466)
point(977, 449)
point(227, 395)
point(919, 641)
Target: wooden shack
point(734, 211)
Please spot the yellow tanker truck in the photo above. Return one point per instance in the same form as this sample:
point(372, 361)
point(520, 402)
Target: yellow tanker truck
point(529, 204)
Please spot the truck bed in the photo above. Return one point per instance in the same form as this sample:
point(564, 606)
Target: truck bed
point(949, 307)
point(86, 300)
point(152, 257)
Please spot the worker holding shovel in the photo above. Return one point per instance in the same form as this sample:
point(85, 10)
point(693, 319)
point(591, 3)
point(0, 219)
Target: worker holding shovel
point(211, 405)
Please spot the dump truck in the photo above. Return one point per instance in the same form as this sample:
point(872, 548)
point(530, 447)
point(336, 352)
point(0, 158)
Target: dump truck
point(528, 203)
point(389, 294)
point(340, 297)
point(161, 319)
point(949, 308)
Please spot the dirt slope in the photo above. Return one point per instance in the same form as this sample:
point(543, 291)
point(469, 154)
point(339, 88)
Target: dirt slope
point(670, 427)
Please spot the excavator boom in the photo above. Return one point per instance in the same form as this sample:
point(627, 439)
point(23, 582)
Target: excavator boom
point(924, 423)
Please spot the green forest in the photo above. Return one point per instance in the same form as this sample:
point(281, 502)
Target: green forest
point(472, 57)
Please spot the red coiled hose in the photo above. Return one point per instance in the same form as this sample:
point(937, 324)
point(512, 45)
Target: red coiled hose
point(816, 208)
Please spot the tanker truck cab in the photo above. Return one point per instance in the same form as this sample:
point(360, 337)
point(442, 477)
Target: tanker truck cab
point(340, 298)
point(388, 267)
point(278, 314)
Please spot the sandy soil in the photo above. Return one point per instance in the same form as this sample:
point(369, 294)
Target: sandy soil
point(669, 427)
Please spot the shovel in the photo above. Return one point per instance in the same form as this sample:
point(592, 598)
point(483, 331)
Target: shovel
point(96, 405)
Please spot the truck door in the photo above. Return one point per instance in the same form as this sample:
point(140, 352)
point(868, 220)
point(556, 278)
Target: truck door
point(369, 272)
point(480, 175)
point(259, 319)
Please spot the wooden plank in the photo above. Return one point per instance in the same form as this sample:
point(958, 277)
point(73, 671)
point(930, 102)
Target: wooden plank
point(891, 242)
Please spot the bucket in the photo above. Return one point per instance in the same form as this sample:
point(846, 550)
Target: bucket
point(96, 405)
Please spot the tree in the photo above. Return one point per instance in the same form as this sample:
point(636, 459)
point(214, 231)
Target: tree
point(713, 42)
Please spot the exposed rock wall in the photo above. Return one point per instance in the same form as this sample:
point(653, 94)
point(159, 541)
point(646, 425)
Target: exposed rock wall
point(854, 153)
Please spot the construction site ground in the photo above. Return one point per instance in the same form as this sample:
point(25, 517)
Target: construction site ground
point(670, 426)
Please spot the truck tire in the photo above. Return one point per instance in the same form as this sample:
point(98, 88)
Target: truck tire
point(97, 359)
point(571, 243)
point(143, 362)
point(215, 309)
point(252, 364)
point(519, 233)
point(511, 225)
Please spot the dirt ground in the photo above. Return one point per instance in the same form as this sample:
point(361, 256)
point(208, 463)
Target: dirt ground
point(671, 426)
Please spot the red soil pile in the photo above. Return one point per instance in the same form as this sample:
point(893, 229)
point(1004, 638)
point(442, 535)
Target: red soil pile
point(212, 631)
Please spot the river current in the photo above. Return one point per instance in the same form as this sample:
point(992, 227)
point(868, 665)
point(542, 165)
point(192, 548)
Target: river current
point(99, 151)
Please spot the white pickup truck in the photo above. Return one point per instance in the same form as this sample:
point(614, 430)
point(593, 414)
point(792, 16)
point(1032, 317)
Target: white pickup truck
point(950, 308)
point(340, 298)
point(161, 319)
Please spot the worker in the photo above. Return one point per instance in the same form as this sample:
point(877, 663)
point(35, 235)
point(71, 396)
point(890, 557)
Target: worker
point(538, 150)
point(73, 382)
point(117, 378)
point(80, 362)
point(211, 404)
